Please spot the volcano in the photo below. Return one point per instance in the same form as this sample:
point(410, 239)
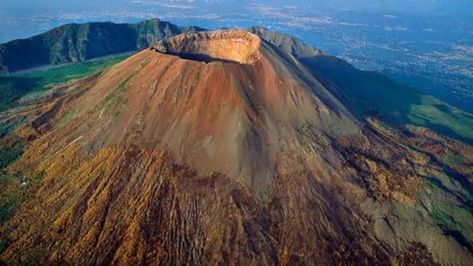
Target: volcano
point(227, 147)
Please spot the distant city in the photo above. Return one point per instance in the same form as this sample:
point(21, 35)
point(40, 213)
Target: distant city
point(430, 51)
point(236, 132)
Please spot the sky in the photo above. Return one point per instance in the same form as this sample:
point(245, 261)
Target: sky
point(450, 7)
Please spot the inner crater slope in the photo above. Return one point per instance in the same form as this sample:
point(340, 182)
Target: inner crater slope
point(235, 46)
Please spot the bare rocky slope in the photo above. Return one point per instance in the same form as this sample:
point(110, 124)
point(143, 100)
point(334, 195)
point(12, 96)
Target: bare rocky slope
point(226, 147)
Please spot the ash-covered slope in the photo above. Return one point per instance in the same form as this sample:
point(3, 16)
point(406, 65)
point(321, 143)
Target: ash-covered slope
point(223, 148)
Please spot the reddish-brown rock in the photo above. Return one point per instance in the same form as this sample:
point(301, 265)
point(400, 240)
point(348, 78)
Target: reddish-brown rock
point(220, 148)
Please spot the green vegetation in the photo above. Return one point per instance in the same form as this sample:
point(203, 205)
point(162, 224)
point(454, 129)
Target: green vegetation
point(10, 192)
point(114, 100)
point(6, 127)
point(6, 208)
point(15, 86)
point(3, 245)
point(73, 42)
point(9, 153)
point(453, 160)
point(12, 87)
point(433, 113)
point(268, 192)
point(372, 94)
point(306, 135)
point(453, 218)
point(455, 221)
point(39, 176)
point(9, 196)
point(15, 190)
point(68, 117)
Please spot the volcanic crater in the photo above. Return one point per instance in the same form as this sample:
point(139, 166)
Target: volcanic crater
point(248, 156)
point(230, 46)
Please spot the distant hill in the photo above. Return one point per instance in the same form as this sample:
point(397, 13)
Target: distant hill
point(286, 43)
point(79, 42)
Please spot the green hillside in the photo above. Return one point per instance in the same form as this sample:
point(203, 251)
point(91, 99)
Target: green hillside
point(14, 86)
point(372, 94)
point(81, 42)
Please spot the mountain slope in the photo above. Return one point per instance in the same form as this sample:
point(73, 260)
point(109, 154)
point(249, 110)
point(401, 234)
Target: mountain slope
point(225, 148)
point(14, 87)
point(79, 42)
point(372, 94)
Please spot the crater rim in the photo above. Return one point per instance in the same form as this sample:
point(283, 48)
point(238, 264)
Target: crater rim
point(227, 46)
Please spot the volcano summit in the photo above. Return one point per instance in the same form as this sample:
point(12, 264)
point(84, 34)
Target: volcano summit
point(236, 46)
point(230, 147)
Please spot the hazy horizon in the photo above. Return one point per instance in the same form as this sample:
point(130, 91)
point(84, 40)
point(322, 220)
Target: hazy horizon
point(427, 44)
point(30, 17)
point(336, 133)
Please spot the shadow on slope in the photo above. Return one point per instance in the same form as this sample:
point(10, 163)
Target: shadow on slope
point(368, 93)
point(14, 87)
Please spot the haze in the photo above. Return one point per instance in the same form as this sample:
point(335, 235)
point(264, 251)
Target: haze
point(455, 7)
point(432, 38)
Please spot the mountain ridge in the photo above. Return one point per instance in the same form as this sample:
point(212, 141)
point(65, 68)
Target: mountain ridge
point(80, 42)
point(172, 158)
